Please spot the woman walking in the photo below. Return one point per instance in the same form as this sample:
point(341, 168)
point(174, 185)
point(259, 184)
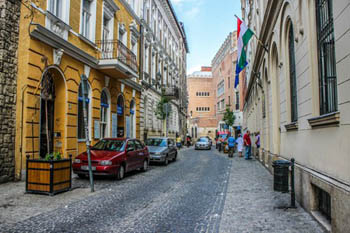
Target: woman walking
point(239, 145)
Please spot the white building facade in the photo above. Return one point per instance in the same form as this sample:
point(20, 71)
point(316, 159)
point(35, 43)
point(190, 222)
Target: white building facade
point(164, 49)
point(298, 98)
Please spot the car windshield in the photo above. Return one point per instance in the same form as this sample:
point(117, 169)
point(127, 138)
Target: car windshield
point(202, 139)
point(109, 145)
point(156, 142)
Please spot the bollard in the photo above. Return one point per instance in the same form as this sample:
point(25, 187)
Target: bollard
point(292, 191)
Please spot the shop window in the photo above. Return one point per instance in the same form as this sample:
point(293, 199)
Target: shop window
point(81, 128)
point(104, 115)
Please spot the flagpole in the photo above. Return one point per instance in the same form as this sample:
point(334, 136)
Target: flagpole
point(256, 37)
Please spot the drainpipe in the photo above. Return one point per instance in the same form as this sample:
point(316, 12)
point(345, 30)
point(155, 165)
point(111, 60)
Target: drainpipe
point(21, 134)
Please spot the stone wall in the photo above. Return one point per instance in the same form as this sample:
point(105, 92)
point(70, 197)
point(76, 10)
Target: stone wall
point(9, 29)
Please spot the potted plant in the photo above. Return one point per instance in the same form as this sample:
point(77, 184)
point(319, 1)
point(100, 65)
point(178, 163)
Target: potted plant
point(50, 175)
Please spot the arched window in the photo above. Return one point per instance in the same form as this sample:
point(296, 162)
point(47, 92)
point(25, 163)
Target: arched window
point(104, 115)
point(81, 128)
point(292, 76)
point(132, 119)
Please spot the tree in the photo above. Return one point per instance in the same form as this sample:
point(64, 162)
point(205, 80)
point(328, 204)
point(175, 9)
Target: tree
point(229, 117)
point(160, 111)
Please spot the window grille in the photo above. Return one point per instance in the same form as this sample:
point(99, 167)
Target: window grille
point(324, 202)
point(292, 76)
point(326, 56)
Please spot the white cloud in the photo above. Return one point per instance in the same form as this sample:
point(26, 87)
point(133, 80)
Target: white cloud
point(190, 8)
point(193, 69)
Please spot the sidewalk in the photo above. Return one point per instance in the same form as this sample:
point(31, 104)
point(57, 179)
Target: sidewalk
point(16, 206)
point(250, 204)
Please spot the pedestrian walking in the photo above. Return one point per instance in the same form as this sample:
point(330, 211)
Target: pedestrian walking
point(178, 142)
point(257, 140)
point(239, 142)
point(231, 146)
point(247, 144)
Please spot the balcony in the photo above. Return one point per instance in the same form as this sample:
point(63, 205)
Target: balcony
point(116, 60)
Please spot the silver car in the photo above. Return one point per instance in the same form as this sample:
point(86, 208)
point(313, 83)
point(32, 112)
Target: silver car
point(202, 143)
point(161, 150)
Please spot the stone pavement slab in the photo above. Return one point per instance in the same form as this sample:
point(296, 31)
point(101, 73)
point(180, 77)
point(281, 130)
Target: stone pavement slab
point(251, 204)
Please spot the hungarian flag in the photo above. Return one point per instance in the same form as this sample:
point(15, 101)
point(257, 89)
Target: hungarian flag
point(244, 34)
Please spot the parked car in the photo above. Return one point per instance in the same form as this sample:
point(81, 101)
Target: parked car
point(113, 157)
point(162, 150)
point(202, 143)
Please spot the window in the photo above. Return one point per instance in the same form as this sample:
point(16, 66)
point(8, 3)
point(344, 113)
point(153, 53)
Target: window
point(263, 106)
point(81, 128)
point(326, 56)
point(229, 82)
point(56, 8)
point(292, 76)
point(324, 202)
point(105, 32)
point(138, 145)
point(130, 146)
point(132, 119)
point(237, 100)
point(104, 115)
point(86, 18)
point(221, 88)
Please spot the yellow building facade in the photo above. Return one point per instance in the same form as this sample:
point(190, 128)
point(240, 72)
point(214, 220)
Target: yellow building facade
point(61, 40)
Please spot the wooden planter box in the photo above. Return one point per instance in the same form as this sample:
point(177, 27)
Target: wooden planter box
point(48, 177)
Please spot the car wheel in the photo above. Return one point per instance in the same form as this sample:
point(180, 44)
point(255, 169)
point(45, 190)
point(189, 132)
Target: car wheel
point(145, 166)
point(166, 161)
point(81, 176)
point(121, 173)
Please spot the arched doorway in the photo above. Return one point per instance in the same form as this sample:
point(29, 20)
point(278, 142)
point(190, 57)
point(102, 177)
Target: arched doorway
point(132, 119)
point(52, 112)
point(120, 113)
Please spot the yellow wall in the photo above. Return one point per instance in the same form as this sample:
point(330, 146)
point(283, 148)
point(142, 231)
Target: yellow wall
point(67, 79)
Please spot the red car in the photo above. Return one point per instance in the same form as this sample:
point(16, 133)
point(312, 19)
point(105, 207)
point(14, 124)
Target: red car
point(113, 156)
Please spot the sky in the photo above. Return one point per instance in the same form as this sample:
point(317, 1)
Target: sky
point(207, 24)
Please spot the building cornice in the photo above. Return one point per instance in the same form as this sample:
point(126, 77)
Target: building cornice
point(46, 36)
point(131, 84)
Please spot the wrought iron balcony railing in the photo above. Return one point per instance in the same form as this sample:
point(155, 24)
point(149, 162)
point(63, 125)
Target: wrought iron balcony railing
point(115, 49)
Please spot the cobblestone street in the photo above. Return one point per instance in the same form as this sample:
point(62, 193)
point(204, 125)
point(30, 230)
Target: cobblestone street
point(202, 192)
